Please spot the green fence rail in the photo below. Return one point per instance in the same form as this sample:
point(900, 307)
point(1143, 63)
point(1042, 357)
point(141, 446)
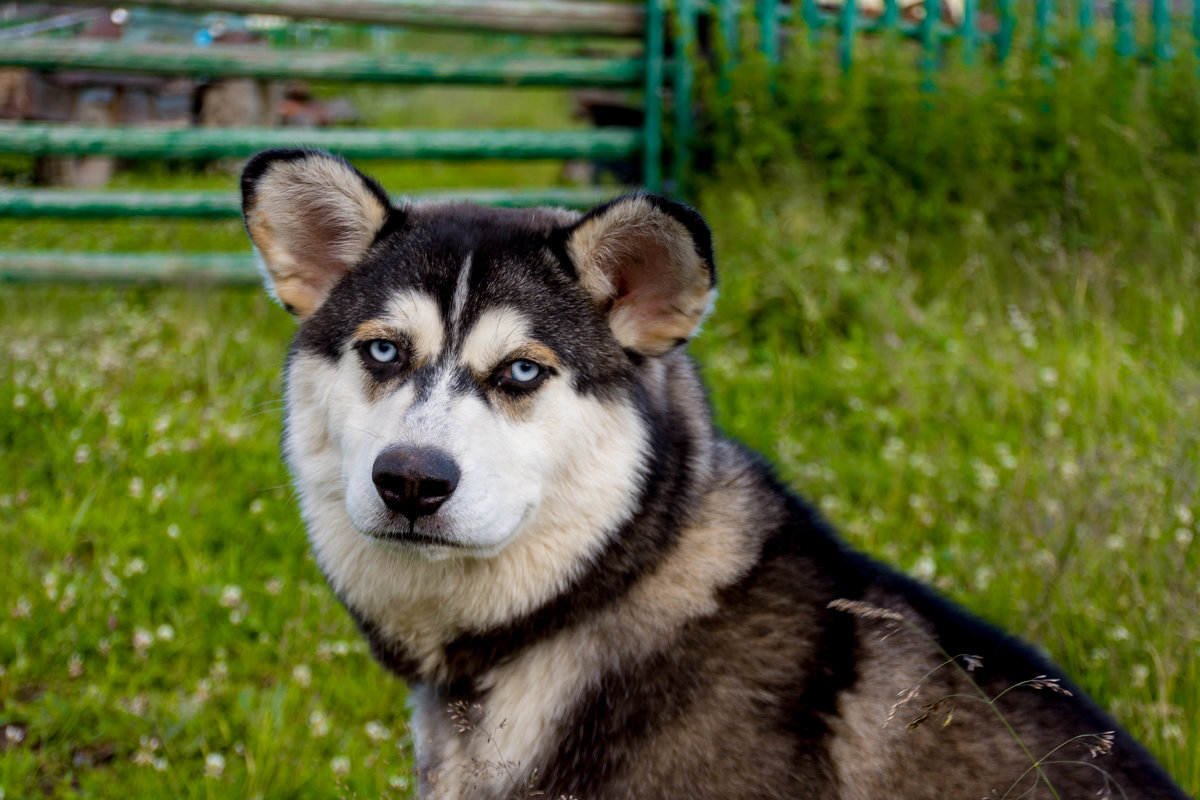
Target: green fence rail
point(260, 62)
point(661, 70)
point(227, 205)
point(139, 142)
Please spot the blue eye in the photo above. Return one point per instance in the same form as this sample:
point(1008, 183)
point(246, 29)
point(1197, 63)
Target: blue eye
point(523, 371)
point(383, 351)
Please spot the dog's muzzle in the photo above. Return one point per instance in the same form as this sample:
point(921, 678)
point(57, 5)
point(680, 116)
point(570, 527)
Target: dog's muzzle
point(414, 483)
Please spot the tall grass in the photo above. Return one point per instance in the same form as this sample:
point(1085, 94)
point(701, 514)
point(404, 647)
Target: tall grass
point(973, 311)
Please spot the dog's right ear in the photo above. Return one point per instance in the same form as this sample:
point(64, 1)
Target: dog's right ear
point(312, 218)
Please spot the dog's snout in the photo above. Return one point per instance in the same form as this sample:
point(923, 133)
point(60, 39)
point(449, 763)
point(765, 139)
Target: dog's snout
point(414, 483)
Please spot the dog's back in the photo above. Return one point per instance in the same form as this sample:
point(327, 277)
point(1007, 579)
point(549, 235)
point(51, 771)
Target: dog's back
point(511, 479)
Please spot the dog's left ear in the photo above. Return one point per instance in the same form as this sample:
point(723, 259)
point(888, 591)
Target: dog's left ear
point(647, 264)
point(312, 217)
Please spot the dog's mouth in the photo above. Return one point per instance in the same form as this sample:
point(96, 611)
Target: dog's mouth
point(408, 534)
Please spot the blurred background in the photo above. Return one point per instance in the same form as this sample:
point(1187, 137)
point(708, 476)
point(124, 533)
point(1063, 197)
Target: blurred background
point(959, 254)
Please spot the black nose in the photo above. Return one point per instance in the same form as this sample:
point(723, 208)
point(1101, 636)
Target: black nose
point(414, 482)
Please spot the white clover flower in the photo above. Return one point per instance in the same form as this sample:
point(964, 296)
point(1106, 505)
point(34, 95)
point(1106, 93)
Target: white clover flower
point(142, 639)
point(257, 505)
point(340, 765)
point(137, 487)
point(214, 765)
point(21, 609)
point(172, 531)
point(302, 674)
point(164, 633)
point(318, 723)
point(75, 665)
point(377, 732)
point(160, 493)
point(83, 454)
point(231, 596)
point(1140, 673)
point(925, 568)
point(1183, 514)
point(136, 566)
point(985, 476)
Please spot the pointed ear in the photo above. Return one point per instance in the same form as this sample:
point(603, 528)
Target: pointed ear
point(312, 218)
point(647, 263)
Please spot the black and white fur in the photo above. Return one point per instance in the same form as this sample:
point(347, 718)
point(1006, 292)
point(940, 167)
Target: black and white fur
point(511, 479)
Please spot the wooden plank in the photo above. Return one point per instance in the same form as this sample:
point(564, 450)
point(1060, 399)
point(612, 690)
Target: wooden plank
point(227, 204)
point(265, 62)
point(40, 139)
point(539, 17)
point(223, 268)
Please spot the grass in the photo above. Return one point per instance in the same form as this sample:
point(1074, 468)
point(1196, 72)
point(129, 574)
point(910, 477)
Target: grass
point(1001, 401)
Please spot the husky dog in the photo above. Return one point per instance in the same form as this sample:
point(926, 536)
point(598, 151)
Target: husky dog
point(511, 479)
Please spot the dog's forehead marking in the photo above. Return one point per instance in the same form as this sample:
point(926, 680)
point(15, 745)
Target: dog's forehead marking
point(497, 333)
point(414, 314)
point(461, 287)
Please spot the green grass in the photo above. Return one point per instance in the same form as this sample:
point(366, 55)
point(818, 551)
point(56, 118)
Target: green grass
point(998, 394)
point(1031, 450)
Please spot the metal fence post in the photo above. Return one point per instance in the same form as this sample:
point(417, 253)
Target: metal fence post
point(685, 45)
point(970, 31)
point(1161, 18)
point(1123, 22)
point(1087, 35)
point(929, 23)
point(846, 29)
point(768, 30)
point(1004, 36)
point(1043, 10)
point(891, 15)
point(652, 127)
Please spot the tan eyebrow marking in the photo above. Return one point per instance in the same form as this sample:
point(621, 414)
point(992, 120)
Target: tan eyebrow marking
point(413, 315)
point(535, 351)
point(501, 335)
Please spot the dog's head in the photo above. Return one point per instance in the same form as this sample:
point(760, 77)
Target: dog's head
point(463, 376)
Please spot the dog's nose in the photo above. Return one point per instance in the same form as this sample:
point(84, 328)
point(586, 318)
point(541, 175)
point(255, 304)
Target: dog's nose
point(414, 482)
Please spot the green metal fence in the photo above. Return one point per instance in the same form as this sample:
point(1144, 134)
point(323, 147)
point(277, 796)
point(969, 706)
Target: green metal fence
point(981, 29)
point(640, 70)
point(661, 68)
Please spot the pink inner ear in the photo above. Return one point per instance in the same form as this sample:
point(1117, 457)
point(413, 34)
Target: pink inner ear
point(647, 282)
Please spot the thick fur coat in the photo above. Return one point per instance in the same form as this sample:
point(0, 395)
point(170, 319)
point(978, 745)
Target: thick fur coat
point(511, 479)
